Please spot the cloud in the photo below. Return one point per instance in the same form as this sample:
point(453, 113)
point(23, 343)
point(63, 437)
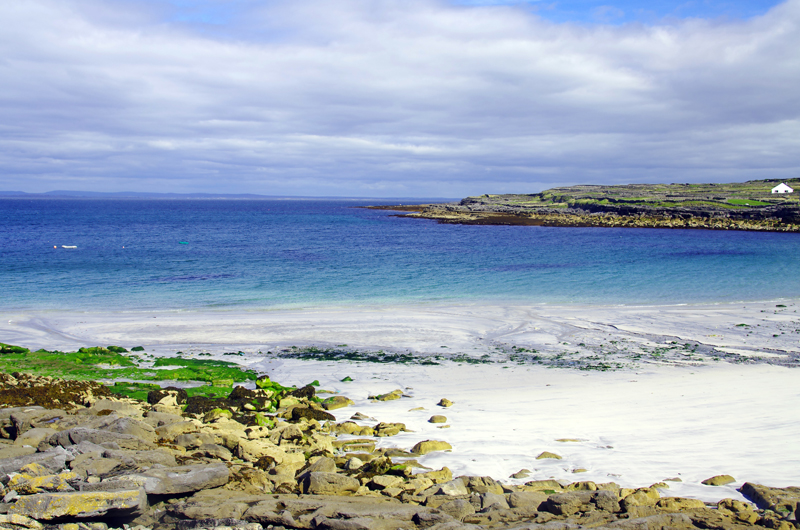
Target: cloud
point(406, 97)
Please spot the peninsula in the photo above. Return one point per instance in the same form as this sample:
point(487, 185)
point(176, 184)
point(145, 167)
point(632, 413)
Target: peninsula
point(738, 206)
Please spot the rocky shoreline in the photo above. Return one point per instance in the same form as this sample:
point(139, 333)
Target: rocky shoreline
point(745, 206)
point(74, 456)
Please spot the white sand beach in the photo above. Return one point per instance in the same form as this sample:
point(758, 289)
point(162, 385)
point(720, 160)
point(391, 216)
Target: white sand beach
point(692, 396)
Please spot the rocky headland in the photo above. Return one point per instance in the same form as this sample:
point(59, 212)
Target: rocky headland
point(739, 206)
point(75, 455)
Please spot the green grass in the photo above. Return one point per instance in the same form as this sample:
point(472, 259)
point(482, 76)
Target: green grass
point(103, 363)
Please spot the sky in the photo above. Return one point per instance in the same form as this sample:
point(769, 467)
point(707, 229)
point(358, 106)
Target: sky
point(395, 98)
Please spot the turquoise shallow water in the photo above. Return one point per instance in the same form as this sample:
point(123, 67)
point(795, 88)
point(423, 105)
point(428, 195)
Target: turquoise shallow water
point(258, 254)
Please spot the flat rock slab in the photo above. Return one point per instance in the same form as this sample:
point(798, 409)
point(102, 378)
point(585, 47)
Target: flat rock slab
point(81, 505)
point(176, 480)
point(777, 499)
point(96, 436)
point(55, 459)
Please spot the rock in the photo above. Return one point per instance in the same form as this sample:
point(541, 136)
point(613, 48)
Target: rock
point(654, 522)
point(329, 484)
point(27, 485)
point(640, 497)
point(168, 396)
point(322, 465)
point(493, 500)
point(121, 408)
point(543, 485)
point(336, 402)
point(33, 437)
point(438, 477)
point(80, 434)
point(567, 503)
point(53, 459)
point(444, 402)
point(28, 418)
point(15, 521)
point(380, 482)
point(135, 459)
point(14, 451)
point(389, 429)
point(173, 430)
point(394, 394)
point(97, 467)
point(547, 454)
point(482, 485)
point(457, 509)
point(679, 504)
point(429, 446)
point(522, 473)
point(133, 427)
point(178, 480)
point(453, 488)
point(437, 418)
point(217, 523)
point(309, 413)
point(526, 499)
point(606, 501)
point(159, 419)
point(776, 499)
point(353, 464)
point(214, 451)
point(82, 505)
point(719, 480)
point(194, 440)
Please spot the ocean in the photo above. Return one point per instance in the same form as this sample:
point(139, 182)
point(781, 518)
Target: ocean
point(150, 255)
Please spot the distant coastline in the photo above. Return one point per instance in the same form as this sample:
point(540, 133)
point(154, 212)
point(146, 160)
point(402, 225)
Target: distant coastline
point(741, 206)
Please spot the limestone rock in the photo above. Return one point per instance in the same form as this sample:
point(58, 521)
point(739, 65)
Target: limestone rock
point(444, 402)
point(309, 413)
point(429, 446)
point(329, 484)
point(482, 485)
point(27, 485)
point(543, 485)
point(78, 434)
point(776, 499)
point(457, 509)
point(547, 454)
point(493, 500)
point(719, 480)
point(394, 394)
point(679, 504)
point(336, 402)
point(178, 480)
point(437, 418)
point(567, 503)
point(80, 504)
point(19, 521)
point(53, 459)
point(525, 499)
point(34, 436)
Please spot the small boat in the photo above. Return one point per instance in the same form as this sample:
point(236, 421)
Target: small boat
point(69, 246)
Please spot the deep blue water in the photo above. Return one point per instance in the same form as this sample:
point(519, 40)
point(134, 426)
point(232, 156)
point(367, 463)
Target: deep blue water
point(300, 253)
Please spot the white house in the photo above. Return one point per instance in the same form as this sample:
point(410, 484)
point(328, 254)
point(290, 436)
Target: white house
point(782, 188)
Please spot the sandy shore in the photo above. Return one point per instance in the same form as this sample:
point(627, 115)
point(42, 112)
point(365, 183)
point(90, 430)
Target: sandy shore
point(671, 410)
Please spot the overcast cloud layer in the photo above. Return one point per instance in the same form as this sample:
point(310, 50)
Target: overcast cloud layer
point(389, 98)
